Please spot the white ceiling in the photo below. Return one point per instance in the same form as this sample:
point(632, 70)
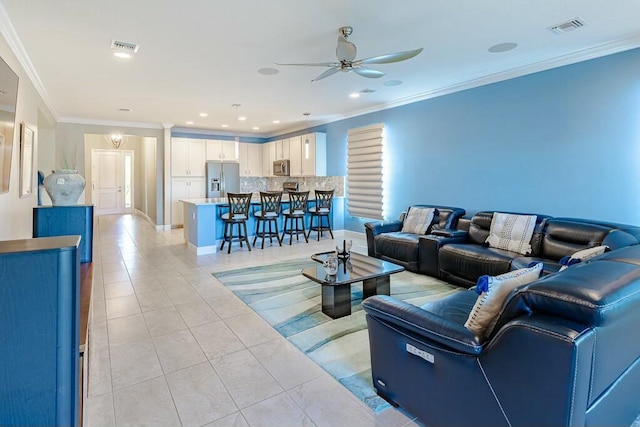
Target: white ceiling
point(203, 55)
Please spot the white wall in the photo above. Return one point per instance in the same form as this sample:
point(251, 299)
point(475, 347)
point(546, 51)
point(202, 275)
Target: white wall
point(149, 181)
point(16, 213)
point(46, 158)
point(70, 139)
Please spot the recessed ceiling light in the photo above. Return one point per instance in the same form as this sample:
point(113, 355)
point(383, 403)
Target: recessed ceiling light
point(125, 110)
point(502, 47)
point(354, 95)
point(122, 55)
point(255, 128)
point(268, 71)
point(189, 122)
point(203, 114)
point(225, 126)
point(275, 122)
point(393, 83)
point(367, 91)
point(242, 118)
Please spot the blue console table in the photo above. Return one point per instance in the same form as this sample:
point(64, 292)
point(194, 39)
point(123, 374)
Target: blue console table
point(39, 314)
point(66, 220)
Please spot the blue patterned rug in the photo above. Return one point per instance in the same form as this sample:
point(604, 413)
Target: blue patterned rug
point(292, 305)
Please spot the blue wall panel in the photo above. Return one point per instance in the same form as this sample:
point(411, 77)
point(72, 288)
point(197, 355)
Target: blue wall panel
point(562, 142)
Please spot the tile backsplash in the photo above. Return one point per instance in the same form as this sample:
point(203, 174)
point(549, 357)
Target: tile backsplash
point(255, 185)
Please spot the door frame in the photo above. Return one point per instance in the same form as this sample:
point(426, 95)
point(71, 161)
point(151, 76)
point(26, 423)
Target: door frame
point(122, 154)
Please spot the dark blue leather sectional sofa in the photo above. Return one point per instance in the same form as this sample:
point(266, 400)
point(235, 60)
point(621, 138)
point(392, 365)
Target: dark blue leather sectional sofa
point(565, 350)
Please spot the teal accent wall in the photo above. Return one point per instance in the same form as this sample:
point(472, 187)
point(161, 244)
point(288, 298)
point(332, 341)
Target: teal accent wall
point(563, 142)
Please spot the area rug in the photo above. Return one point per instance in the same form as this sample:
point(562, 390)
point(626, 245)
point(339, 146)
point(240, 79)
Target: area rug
point(292, 305)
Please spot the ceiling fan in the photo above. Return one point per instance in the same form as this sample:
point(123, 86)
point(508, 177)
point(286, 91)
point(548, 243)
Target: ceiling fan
point(346, 53)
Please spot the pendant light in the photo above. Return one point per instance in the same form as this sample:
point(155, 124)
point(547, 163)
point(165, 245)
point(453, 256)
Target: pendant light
point(237, 138)
point(306, 139)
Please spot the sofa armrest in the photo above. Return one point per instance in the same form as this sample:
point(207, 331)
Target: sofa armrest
point(380, 227)
point(452, 233)
point(372, 229)
point(423, 323)
point(429, 246)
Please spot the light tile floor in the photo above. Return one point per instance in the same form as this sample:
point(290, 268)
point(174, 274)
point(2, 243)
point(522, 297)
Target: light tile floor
point(170, 345)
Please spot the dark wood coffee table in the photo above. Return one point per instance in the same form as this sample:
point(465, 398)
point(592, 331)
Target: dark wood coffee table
point(336, 290)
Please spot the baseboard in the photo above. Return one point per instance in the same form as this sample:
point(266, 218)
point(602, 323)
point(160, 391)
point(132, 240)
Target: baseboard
point(202, 250)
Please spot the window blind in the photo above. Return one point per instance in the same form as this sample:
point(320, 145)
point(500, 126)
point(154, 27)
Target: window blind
point(364, 171)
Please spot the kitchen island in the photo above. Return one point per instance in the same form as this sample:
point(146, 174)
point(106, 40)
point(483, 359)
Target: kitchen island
point(204, 228)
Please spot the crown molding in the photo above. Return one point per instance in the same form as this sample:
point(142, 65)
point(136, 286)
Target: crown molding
point(9, 33)
point(84, 121)
point(559, 61)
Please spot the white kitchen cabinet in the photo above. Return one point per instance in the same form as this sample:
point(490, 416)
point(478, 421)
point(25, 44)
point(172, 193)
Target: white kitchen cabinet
point(268, 157)
point(187, 157)
point(282, 149)
point(184, 188)
point(221, 150)
point(308, 155)
point(250, 159)
point(295, 156)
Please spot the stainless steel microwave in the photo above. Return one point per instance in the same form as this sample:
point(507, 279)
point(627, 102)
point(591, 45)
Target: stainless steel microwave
point(281, 168)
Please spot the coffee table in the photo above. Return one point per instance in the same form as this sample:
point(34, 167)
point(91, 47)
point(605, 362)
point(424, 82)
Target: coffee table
point(336, 289)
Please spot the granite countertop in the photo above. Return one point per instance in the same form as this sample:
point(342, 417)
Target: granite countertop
point(223, 200)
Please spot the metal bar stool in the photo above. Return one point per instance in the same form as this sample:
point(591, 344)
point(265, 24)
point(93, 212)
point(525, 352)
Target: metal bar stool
point(238, 213)
point(321, 210)
point(267, 216)
point(296, 212)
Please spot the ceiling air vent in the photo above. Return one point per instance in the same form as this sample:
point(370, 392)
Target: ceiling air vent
point(124, 46)
point(567, 26)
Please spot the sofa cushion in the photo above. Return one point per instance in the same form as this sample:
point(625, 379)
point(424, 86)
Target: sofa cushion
point(493, 290)
point(455, 307)
point(564, 236)
point(550, 266)
point(583, 255)
point(511, 232)
point(472, 261)
point(399, 246)
point(479, 227)
point(595, 293)
point(418, 220)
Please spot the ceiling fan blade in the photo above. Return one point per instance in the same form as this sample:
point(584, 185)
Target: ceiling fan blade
point(368, 72)
point(314, 64)
point(345, 50)
point(329, 72)
point(390, 57)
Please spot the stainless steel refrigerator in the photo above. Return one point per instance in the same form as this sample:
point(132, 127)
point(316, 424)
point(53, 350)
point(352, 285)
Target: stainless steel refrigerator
point(222, 178)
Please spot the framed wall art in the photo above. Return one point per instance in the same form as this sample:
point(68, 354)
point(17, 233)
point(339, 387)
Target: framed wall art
point(26, 160)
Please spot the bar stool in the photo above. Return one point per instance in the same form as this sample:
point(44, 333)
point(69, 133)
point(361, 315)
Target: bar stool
point(322, 209)
point(296, 212)
point(268, 215)
point(238, 214)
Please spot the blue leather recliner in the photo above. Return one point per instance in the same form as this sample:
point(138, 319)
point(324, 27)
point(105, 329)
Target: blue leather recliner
point(565, 352)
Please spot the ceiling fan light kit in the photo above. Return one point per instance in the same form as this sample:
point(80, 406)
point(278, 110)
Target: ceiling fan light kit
point(346, 52)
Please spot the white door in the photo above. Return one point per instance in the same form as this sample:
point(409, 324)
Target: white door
point(112, 186)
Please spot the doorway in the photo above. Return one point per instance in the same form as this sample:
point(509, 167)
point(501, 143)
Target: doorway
point(112, 181)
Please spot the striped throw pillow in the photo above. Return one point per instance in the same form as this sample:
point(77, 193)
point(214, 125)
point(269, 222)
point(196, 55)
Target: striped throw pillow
point(418, 220)
point(511, 232)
